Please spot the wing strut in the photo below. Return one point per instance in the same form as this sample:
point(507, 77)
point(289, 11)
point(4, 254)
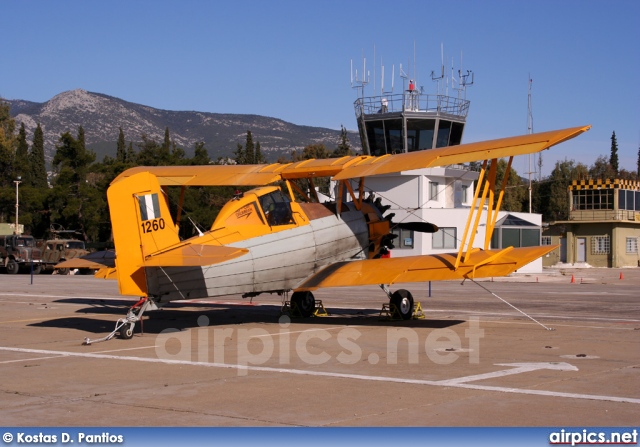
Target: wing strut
point(486, 182)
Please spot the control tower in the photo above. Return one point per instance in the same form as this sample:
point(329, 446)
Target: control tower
point(409, 121)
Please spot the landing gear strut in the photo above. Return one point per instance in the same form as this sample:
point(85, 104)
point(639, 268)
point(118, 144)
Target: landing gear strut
point(125, 326)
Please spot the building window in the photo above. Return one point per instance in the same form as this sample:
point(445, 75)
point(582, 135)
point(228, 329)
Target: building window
point(600, 245)
point(433, 190)
point(546, 240)
point(465, 193)
point(445, 238)
point(404, 239)
point(516, 237)
point(593, 199)
point(632, 245)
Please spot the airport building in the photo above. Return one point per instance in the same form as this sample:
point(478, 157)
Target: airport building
point(603, 226)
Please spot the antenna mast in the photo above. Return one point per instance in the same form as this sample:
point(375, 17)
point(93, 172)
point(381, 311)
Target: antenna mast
point(530, 131)
point(441, 77)
point(360, 82)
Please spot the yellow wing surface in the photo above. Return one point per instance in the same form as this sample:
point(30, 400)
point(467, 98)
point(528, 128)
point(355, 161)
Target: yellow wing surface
point(481, 264)
point(353, 166)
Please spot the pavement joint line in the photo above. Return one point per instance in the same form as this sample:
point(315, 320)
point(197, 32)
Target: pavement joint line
point(277, 334)
point(616, 328)
point(32, 359)
point(125, 349)
point(37, 319)
point(39, 295)
point(447, 383)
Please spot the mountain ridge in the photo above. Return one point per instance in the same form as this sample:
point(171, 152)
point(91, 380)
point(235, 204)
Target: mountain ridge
point(102, 115)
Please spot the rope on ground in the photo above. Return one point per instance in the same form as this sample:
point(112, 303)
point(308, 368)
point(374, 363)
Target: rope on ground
point(508, 303)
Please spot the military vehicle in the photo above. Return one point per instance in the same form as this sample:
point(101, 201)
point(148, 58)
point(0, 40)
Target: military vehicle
point(19, 252)
point(58, 249)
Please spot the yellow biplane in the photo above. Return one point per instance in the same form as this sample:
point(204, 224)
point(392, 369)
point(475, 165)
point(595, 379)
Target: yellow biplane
point(269, 240)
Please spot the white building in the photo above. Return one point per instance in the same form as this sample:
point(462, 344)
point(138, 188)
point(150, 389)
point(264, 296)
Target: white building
point(443, 196)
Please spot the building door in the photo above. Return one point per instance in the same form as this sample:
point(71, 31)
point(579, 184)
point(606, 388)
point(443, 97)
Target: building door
point(563, 249)
point(582, 249)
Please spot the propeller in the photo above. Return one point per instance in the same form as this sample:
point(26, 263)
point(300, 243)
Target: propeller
point(387, 241)
point(420, 227)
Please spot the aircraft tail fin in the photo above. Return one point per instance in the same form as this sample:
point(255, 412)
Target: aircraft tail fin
point(142, 225)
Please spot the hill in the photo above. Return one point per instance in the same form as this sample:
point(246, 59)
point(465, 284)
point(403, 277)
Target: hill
point(101, 116)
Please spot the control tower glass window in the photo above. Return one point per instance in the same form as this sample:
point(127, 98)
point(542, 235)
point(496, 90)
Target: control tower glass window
point(385, 136)
point(444, 129)
point(456, 133)
point(376, 138)
point(393, 130)
point(420, 134)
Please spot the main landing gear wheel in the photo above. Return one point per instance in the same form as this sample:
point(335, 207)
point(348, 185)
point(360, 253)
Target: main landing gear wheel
point(403, 302)
point(305, 303)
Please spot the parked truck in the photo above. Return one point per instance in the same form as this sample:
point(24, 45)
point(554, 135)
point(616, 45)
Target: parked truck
point(58, 250)
point(19, 252)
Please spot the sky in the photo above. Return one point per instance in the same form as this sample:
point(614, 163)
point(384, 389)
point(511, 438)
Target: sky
point(293, 60)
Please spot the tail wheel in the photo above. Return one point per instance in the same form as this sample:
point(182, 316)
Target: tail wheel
point(126, 331)
point(305, 302)
point(403, 302)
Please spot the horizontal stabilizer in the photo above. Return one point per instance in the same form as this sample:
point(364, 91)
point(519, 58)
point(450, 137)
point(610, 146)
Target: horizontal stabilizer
point(96, 260)
point(193, 255)
point(439, 267)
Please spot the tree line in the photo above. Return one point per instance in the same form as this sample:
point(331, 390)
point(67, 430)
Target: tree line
point(73, 193)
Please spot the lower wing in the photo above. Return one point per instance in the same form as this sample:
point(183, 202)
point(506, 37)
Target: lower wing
point(438, 267)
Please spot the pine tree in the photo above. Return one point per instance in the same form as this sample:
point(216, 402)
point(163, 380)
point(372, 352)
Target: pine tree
point(613, 160)
point(21, 165)
point(131, 153)
point(7, 144)
point(638, 162)
point(259, 157)
point(239, 155)
point(81, 138)
point(200, 155)
point(344, 146)
point(249, 151)
point(38, 167)
point(121, 153)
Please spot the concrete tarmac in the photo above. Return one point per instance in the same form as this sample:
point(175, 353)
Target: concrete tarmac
point(557, 349)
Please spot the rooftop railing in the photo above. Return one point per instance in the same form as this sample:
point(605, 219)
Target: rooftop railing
point(412, 101)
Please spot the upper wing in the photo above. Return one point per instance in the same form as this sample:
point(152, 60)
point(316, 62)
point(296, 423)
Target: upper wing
point(481, 264)
point(353, 166)
point(464, 153)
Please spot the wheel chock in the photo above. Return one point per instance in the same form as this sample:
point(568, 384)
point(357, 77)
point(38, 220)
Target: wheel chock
point(320, 310)
point(389, 312)
point(418, 314)
point(291, 309)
